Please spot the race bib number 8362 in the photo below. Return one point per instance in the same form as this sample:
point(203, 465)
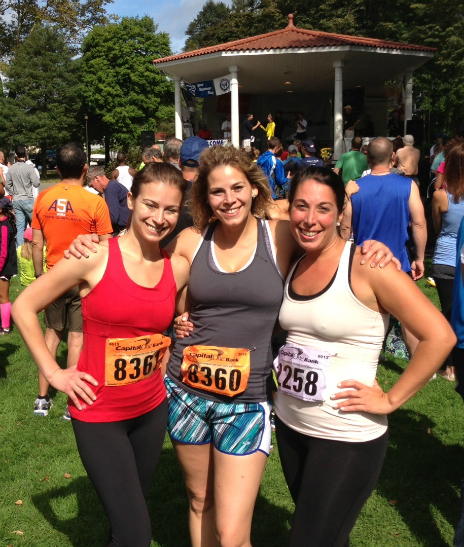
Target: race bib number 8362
point(129, 360)
point(301, 372)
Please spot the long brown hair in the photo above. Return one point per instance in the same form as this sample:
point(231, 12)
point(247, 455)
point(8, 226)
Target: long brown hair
point(221, 156)
point(454, 168)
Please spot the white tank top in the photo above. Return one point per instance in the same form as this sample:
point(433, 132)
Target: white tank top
point(336, 322)
point(124, 178)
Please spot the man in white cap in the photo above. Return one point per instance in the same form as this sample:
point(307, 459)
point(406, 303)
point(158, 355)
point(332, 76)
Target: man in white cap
point(407, 158)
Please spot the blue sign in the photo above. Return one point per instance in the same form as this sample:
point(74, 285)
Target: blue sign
point(201, 89)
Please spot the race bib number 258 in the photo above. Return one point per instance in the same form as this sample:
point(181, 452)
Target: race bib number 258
point(129, 360)
point(302, 372)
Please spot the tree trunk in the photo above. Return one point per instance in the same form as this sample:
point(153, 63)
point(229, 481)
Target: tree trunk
point(107, 149)
point(43, 151)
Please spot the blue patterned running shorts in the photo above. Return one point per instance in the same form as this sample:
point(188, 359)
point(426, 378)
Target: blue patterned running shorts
point(237, 429)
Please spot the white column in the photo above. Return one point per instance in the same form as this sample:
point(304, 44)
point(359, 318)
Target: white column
point(338, 109)
point(408, 98)
point(234, 122)
point(178, 108)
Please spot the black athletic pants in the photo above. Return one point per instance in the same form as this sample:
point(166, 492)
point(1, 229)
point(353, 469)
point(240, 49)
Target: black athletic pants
point(120, 459)
point(329, 481)
point(445, 295)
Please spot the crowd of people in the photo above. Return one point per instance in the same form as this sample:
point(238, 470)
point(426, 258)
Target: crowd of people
point(175, 277)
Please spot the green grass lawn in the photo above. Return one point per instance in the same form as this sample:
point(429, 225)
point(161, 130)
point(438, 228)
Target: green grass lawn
point(46, 499)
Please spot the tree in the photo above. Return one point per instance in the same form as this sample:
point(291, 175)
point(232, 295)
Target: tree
point(216, 23)
point(122, 90)
point(209, 20)
point(73, 17)
point(42, 92)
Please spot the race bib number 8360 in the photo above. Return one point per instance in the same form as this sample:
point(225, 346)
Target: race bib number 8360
point(301, 372)
point(224, 371)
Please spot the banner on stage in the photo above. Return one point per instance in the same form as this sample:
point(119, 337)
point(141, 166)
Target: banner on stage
point(209, 88)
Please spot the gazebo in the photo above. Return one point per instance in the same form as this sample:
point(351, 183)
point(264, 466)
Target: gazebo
point(299, 61)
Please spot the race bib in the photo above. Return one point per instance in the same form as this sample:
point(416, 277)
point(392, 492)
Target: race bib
point(130, 360)
point(224, 371)
point(302, 372)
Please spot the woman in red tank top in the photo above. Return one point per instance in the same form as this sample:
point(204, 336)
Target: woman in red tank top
point(117, 398)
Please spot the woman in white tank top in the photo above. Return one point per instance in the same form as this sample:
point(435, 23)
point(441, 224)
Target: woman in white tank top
point(331, 413)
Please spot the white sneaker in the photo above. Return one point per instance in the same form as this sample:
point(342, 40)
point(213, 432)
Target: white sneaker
point(42, 406)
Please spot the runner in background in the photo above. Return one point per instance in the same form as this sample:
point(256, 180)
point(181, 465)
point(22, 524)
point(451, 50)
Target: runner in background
point(8, 262)
point(60, 213)
point(25, 263)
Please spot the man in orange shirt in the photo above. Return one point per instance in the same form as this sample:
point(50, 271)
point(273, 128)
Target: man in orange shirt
point(60, 214)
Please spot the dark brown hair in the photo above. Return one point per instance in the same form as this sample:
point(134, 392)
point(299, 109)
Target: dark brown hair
point(322, 175)
point(158, 172)
point(454, 168)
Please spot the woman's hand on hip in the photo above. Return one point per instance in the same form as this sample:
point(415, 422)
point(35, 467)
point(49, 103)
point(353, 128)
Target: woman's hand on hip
point(74, 383)
point(362, 398)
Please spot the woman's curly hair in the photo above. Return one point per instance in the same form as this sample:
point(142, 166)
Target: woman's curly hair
point(221, 156)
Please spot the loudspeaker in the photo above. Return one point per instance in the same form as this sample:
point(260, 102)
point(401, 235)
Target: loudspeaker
point(416, 129)
point(148, 139)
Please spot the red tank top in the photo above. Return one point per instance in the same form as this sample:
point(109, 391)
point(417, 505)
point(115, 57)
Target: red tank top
point(119, 319)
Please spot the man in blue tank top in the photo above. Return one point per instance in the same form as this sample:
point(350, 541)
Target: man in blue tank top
point(383, 208)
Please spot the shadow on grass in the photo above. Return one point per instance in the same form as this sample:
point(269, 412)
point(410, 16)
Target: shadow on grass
point(419, 473)
point(391, 364)
point(83, 529)
point(271, 524)
point(5, 350)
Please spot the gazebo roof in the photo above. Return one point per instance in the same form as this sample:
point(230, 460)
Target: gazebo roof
point(264, 60)
point(292, 37)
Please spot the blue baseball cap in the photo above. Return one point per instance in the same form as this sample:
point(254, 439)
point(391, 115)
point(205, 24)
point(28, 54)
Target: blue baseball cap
point(190, 151)
point(309, 145)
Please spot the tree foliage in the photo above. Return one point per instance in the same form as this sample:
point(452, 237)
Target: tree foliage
point(122, 90)
point(209, 20)
point(438, 85)
point(41, 98)
point(73, 17)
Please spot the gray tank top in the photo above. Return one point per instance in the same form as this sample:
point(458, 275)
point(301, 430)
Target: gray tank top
point(234, 310)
